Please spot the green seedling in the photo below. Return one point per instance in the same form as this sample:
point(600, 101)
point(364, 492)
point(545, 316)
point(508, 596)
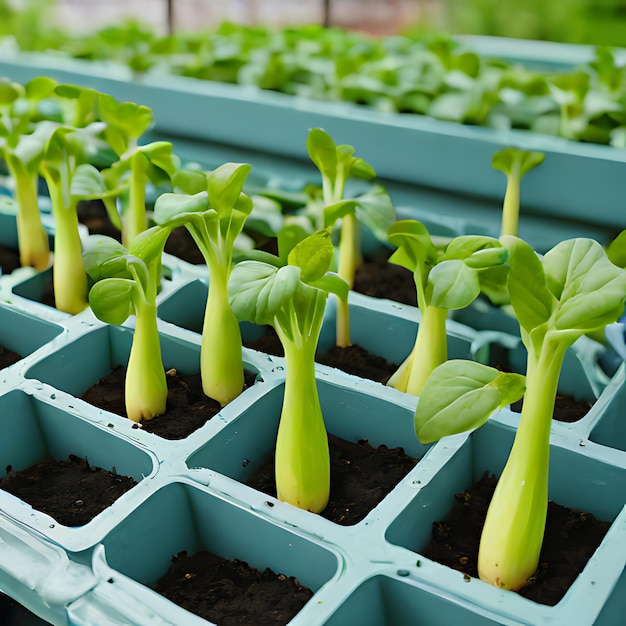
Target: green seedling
point(573, 290)
point(292, 299)
point(447, 277)
point(374, 209)
point(20, 108)
point(214, 211)
point(127, 283)
point(137, 164)
point(515, 163)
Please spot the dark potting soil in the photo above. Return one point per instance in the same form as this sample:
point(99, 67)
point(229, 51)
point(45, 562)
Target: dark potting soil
point(570, 539)
point(352, 359)
point(8, 357)
point(71, 491)
point(93, 214)
point(566, 408)
point(230, 592)
point(380, 279)
point(9, 260)
point(12, 613)
point(188, 408)
point(180, 244)
point(360, 477)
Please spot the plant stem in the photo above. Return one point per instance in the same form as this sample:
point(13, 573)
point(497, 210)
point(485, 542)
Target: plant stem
point(513, 532)
point(430, 351)
point(146, 385)
point(302, 455)
point(135, 217)
point(221, 359)
point(511, 204)
point(31, 235)
point(69, 276)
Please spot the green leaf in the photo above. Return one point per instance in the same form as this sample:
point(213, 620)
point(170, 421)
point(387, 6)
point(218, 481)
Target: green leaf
point(173, 206)
point(105, 257)
point(288, 237)
point(616, 250)
point(39, 88)
point(337, 210)
point(149, 244)
point(413, 240)
point(111, 300)
point(323, 152)
point(461, 395)
point(452, 285)
point(532, 302)
point(313, 255)
point(332, 283)
point(375, 210)
point(88, 183)
point(189, 181)
point(130, 118)
point(224, 186)
point(590, 289)
point(509, 158)
point(257, 291)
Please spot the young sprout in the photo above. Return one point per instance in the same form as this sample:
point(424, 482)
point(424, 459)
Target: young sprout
point(515, 163)
point(127, 283)
point(214, 212)
point(447, 277)
point(373, 208)
point(574, 289)
point(136, 164)
point(292, 299)
point(20, 107)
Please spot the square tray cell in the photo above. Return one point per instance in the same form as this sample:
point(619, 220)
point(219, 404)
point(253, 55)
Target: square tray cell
point(385, 601)
point(23, 333)
point(36, 430)
point(78, 364)
point(610, 427)
point(181, 516)
point(576, 480)
point(246, 443)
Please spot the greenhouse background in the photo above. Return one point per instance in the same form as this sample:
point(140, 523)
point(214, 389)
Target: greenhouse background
point(598, 22)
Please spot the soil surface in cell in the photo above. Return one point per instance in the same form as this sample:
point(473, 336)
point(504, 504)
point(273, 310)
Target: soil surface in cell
point(571, 538)
point(230, 592)
point(188, 408)
point(71, 491)
point(93, 215)
point(566, 408)
point(380, 279)
point(8, 357)
point(354, 359)
point(9, 260)
point(360, 477)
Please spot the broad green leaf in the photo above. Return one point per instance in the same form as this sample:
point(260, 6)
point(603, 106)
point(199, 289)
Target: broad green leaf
point(160, 154)
point(509, 158)
point(88, 183)
point(313, 255)
point(224, 186)
point(149, 244)
point(591, 290)
point(323, 152)
point(332, 283)
point(131, 118)
point(531, 299)
point(461, 395)
point(288, 237)
point(111, 300)
point(9, 91)
point(616, 250)
point(39, 88)
point(189, 181)
point(362, 169)
point(452, 285)
point(105, 257)
point(258, 290)
point(465, 246)
point(171, 206)
point(413, 239)
point(487, 258)
point(337, 210)
point(375, 210)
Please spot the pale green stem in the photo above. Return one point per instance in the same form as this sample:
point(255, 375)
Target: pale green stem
point(31, 235)
point(430, 351)
point(343, 323)
point(146, 384)
point(69, 276)
point(349, 251)
point(511, 205)
point(302, 456)
point(221, 359)
point(134, 219)
point(513, 532)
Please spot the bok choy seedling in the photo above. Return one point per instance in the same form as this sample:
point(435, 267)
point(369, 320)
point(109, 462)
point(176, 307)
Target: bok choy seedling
point(214, 212)
point(573, 290)
point(292, 299)
point(137, 164)
point(447, 277)
point(373, 209)
point(515, 163)
point(20, 108)
point(127, 283)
